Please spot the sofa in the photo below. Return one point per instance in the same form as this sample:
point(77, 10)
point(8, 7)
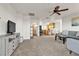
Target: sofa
point(72, 40)
point(73, 43)
point(66, 34)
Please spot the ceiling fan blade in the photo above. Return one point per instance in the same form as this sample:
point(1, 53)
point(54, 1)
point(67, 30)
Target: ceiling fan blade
point(58, 13)
point(51, 14)
point(57, 7)
point(63, 10)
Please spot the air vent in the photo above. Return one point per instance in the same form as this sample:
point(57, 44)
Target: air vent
point(31, 14)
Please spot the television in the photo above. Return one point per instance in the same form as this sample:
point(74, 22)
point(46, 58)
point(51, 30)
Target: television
point(11, 27)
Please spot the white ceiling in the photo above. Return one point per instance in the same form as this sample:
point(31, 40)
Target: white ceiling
point(41, 10)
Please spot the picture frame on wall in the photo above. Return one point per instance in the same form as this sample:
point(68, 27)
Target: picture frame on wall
point(75, 21)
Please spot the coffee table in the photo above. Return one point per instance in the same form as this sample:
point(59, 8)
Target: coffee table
point(61, 37)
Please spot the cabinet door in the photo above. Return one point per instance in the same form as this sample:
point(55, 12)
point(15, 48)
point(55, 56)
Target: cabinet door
point(3, 46)
point(15, 44)
point(10, 51)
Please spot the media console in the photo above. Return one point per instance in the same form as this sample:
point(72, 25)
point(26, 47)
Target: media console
point(8, 44)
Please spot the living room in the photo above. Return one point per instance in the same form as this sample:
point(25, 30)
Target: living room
point(25, 15)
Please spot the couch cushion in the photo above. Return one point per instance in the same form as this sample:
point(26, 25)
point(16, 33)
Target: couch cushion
point(72, 33)
point(65, 33)
point(77, 35)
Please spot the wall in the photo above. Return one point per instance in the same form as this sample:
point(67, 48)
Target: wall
point(19, 22)
point(26, 27)
point(6, 15)
point(22, 23)
point(66, 23)
point(58, 24)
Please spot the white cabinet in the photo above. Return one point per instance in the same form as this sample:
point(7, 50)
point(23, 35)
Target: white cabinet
point(8, 44)
point(0, 46)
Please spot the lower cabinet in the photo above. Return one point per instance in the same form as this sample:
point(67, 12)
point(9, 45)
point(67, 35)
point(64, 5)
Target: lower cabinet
point(12, 46)
point(8, 44)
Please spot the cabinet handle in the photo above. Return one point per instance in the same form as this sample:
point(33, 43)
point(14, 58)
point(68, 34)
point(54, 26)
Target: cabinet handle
point(13, 45)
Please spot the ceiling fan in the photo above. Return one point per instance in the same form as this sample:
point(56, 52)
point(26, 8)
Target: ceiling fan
point(57, 10)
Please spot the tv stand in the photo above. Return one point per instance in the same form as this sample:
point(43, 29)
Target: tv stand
point(8, 44)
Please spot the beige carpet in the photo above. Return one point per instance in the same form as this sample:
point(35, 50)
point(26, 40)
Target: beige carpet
point(42, 46)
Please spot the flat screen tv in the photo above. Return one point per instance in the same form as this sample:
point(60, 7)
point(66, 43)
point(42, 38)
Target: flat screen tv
point(11, 27)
